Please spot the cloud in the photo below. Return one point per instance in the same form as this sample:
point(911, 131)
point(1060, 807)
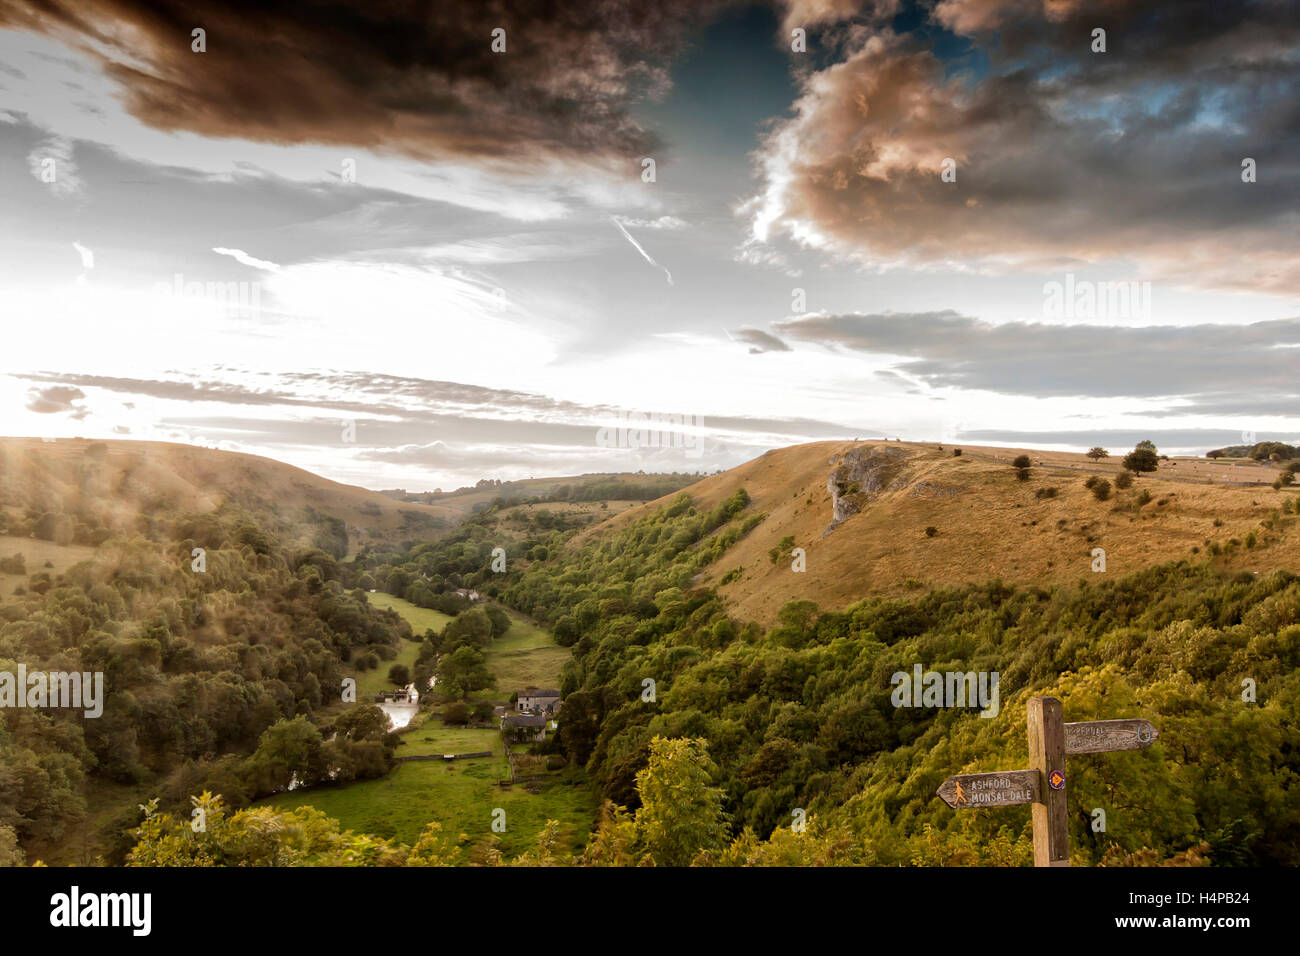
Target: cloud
point(663, 222)
point(239, 255)
point(1061, 154)
point(410, 77)
point(57, 399)
point(759, 341)
point(87, 255)
point(949, 350)
point(637, 246)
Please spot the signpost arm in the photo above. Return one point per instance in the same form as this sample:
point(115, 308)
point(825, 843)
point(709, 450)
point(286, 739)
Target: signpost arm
point(1047, 755)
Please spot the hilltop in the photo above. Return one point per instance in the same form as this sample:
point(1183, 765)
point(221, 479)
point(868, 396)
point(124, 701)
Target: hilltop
point(861, 511)
point(91, 489)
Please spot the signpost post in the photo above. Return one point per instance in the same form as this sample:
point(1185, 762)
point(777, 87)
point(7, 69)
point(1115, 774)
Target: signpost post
point(1043, 784)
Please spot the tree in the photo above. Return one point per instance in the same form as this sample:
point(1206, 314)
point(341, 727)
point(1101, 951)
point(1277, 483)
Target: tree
point(399, 674)
point(499, 619)
point(464, 670)
point(1141, 459)
point(472, 628)
point(1145, 445)
point(1096, 453)
point(681, 811)
point(1021, 461)
point(1216, 453)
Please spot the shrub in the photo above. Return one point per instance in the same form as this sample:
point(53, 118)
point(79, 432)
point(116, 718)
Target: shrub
point(16, 564)
point(399, 674)
point(1101, 490)
point(956, 453)
point(1021, 461)
point(1124, 480)
point(1045, 493)
point(1143, 498)
point(1251, 540)
point(1091, 481)
point(931, 531)
point(456, 714)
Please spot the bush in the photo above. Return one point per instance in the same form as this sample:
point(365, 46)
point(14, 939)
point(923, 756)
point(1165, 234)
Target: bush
point(931, 531)
point(1022, 474)
point(1021, 461)
point(13, 565)
point(399, 674)
point(1091, 481)
point(956, 453)
point(1143, 498)
point(1124, 480)
point(1101, 490)
point(1046, 493)
point(456, 714)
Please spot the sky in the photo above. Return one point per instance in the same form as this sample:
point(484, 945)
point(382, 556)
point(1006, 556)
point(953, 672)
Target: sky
point(419, 244)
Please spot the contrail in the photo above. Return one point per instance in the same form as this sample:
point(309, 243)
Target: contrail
point(637, 246)
point(239, 255)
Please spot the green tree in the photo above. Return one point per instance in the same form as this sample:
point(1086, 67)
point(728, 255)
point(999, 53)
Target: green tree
point(1141, 459)
point(1096, 453)
point(464, 670)
point(681, 810)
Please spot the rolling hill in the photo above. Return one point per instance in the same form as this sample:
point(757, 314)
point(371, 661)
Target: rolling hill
point(93, 487)
point(986, 523)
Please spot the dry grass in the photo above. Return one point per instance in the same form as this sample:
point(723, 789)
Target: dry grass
point(989, 525)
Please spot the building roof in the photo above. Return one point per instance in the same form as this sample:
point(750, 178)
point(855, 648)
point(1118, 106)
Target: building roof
point(534, 692)
point(525, 720)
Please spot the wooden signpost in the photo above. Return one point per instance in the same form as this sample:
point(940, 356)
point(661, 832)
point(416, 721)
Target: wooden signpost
point(1043, 785)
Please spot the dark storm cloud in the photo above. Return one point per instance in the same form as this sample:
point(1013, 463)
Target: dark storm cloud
point(419, 78)
point(1061, 153)
point(946, 349)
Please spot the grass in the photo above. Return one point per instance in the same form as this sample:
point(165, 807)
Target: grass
point(461, 795)
point(525, 656)
point(420, 618)
point(35, 553)
point(372, 682)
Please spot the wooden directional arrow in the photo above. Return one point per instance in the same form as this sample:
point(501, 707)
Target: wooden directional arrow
point(1002, 788)
point(1099, 736)
point(1050, 739)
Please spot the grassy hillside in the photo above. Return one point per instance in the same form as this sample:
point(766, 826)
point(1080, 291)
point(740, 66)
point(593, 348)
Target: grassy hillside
point(986, 523)
point(86, 490)
point(800, 715)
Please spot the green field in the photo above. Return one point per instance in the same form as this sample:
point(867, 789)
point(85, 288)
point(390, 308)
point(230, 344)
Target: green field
point(420, 618)
point(460, 795)
point(525, 656)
